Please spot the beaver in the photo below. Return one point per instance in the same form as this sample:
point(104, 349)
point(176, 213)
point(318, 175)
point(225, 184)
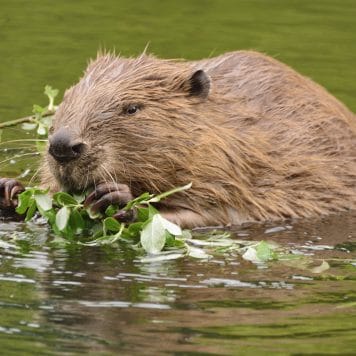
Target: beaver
point(257, 140)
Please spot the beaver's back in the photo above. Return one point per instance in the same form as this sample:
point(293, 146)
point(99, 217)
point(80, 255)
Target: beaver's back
point(309, 135)
point(274, 90)
point(264, 80)
point(292, 108)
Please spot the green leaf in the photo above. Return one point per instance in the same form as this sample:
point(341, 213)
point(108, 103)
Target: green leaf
point(37, 109)
point(265, 251)
point(111, 210)
point(55, 228)
point(186, 234)
point(50, 215)
point(322, 268)
point(51, 93)
point(111, 224)
point(24, 201)
point(197, 252)
point(28, 126)
point(139, 200)
point(153, 235)
point(170, 227)
point(261, 252)
point(170, 240)
point(142, 214)
point(79, 198)
point(223, 242)
point(31, 210)
point(97, 230)
point(164, 256)
point(62, 218)
point(76, 221)
point(178, 243)
point(251, 255)
point(47, 121)
point(65, 199)
point(135, 229)
point(41, 130)
point(152, 211)
point(43, 201)
point(68, 232)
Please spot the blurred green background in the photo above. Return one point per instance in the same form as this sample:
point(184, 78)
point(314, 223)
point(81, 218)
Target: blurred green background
point(49, 42)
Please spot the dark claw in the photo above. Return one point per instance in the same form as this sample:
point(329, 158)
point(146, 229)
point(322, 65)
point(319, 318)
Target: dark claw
point(9, 189)
point(107, 199)
point(15, 191)
point(126, 215)
point(106, 194)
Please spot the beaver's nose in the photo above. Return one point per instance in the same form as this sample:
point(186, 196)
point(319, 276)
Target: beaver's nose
point(63, 147)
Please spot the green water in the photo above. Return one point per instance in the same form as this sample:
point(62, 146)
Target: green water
point(45, 42)
point(68, 300)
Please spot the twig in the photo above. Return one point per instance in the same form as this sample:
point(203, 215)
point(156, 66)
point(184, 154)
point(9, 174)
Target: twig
point(22, 120)
point(16, 121)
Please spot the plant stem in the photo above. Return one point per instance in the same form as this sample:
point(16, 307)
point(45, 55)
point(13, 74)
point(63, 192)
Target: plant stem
point(23, 119)
point(15, 121)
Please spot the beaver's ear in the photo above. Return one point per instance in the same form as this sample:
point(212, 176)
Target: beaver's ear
point(199, 84)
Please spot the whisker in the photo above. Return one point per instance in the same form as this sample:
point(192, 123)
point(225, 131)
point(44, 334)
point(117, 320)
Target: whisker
point(124, 164)
point(86, 181)
point(34, 175)
point(25, 145)
point(102, 175)
point(8, 150)
point(24, 140)
point(15, 129)
point(109, 174)
point(20, 156)
point(94, 183)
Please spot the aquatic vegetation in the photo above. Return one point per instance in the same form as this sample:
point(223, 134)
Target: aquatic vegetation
point(158, 239)
point(42, 115)
point(70, 218)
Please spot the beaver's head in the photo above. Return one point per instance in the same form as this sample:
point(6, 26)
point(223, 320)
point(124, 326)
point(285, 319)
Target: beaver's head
point(134, 121)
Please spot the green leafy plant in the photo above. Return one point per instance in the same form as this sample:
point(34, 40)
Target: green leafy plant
point(42, 118)
point(70, 219)
point(159, 238)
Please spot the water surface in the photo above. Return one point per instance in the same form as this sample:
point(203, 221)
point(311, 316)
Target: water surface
point(72, 299)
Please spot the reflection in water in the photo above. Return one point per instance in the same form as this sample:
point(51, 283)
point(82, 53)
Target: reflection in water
point(79, 298)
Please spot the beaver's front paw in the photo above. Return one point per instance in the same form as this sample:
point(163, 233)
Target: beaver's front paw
point(109, 193)
point(9, 190)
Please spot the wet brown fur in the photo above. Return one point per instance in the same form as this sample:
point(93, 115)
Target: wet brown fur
point(265, 144)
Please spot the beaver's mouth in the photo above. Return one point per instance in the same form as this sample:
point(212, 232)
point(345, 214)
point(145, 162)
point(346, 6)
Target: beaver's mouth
point(71, 182)
point(76, 178)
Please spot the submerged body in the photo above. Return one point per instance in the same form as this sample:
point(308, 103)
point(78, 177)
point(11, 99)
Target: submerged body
point(257, 140)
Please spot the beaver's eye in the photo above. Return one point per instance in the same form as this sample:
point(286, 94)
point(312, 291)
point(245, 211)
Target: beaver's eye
point(132, 109)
